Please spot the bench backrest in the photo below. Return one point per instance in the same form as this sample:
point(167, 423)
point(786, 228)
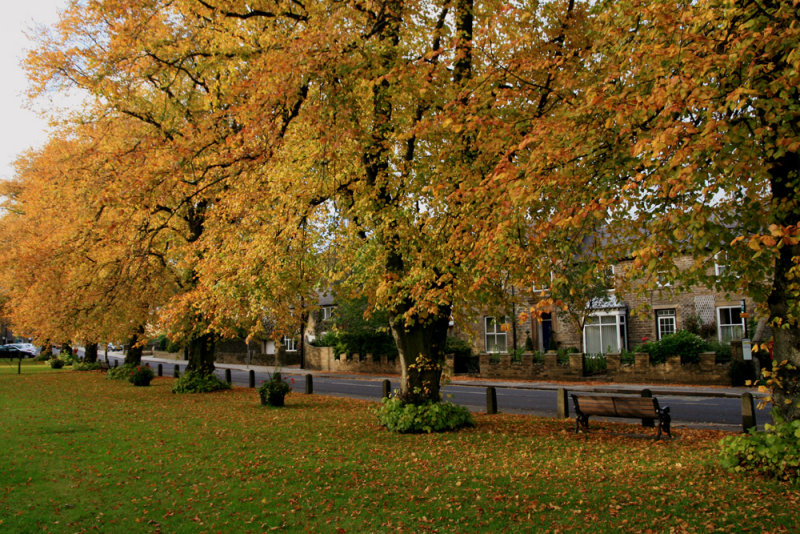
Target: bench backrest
point(628, 406)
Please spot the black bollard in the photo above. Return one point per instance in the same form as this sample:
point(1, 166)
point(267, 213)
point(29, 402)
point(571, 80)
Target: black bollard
point(160, 370)
point(491, 400)
point(228, 376)
point(252, 379)
point(387, 388)
point(176, 372)
point(647, 421)
point(309, 384)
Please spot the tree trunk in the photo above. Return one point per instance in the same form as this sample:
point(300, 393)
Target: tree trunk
point(133, 356)
point(421, 349)
point(785, 329)
point(200, 353)
point(90, 353)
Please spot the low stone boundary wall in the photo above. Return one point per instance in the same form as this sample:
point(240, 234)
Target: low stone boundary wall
point(502, 366)
point(323, 359)
point(282, 359)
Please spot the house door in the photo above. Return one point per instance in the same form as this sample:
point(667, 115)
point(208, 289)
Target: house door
point(546, 326)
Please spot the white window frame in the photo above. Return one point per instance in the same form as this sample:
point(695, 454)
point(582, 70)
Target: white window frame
point(496, 333)
point(290, 344)
point(666, 317)
point(732, 325)
point(327, 312)
point(543, 289)
point(661, 279)
point(620, 322)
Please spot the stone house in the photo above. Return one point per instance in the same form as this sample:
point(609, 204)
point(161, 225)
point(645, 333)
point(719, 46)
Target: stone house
point(621, 320)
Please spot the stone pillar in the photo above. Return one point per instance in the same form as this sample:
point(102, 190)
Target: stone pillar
point(450, 364)
point(613, 362)
point(576, 363)
point(550, 360)
point(641, 362)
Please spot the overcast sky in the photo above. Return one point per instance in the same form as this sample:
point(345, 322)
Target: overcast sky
point(21, 128)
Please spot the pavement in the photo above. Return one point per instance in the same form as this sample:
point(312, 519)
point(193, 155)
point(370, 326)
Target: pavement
point(661, 390)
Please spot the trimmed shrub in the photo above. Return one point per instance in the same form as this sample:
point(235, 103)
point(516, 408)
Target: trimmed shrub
point(774, 453)
point(56, 363)
point(194, 382)
point(682, 343)
point(141, 375)
point(94, 366)
point(120, 373)
point(397, 416)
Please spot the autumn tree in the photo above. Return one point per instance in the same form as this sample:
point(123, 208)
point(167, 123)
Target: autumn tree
point(680, 133)
point(72, 272)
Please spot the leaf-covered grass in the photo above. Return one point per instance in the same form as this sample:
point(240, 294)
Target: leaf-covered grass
point(81, 453)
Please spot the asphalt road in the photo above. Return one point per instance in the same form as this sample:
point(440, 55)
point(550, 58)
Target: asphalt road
point(686, 410)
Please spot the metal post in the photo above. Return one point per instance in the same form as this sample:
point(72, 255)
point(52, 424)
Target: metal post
point(160, 370)
point(252, 378)
point(176, 372)
point(228, 376)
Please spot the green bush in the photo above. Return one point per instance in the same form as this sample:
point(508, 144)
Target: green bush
point(682, 343)
point(627, 357)
point(563, 355)
point(141, 375)
point(457, 347)
point(774, 452)
point(56, 363)
point(120, 373)
point(594, 364)
point(85, 366)
point(67, 357)
point(397, 416)
point(194, 382)
point(722, 350)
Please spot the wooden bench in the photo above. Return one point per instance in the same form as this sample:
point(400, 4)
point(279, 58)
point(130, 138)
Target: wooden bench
point(630, 406)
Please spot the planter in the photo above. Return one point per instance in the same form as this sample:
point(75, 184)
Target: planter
point(273, 399)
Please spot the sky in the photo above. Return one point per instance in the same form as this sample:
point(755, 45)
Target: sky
point(20, 128)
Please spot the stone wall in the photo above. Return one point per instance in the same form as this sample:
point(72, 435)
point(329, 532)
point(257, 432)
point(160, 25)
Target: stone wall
point(502, 366)
point(323, 359)
point(281, 359)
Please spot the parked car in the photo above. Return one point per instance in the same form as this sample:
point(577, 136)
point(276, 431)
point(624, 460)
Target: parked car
point(28, 348)
point(14, 351)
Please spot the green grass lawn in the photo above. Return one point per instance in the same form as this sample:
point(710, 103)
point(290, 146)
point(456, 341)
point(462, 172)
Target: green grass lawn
point(82, 453)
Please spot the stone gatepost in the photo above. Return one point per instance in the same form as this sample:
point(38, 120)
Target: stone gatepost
point(576, 363)
point(450, 364)
point(613, 362)
point(550, 360)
